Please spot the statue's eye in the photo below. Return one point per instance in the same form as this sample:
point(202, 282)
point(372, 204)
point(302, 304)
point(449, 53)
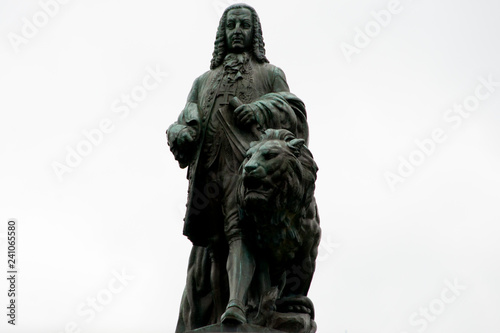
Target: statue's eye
point(230, 25)
point(246, 25)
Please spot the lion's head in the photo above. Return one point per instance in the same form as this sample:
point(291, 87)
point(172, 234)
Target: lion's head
point(278, 173)
point(277, 187)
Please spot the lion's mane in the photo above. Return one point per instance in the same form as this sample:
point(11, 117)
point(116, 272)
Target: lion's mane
point(285, 221)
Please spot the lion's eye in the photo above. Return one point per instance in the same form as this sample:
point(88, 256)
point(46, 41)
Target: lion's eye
point(248, 155)
point(270, 155)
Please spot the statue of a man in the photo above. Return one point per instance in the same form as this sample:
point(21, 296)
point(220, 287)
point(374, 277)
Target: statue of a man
point(229, 106)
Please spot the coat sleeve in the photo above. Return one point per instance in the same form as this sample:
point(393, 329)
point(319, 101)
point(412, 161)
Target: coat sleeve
point(281, 109)
point(279, 81)
point(188, 121)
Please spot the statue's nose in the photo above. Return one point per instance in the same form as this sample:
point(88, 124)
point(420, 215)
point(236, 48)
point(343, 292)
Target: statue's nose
point(249, 167)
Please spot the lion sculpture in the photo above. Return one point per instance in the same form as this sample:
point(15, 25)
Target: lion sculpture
point(279, 216)
point(281, 224)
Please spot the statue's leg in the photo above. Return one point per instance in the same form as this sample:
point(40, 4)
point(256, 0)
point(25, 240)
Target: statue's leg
point(240, 262)
point(240, 269)
point(215, 280)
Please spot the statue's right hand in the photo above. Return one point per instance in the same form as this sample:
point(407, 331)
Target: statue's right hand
point(185, 137)
point(182, 142)
point(184, 147)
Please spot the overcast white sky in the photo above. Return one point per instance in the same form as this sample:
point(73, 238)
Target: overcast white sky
point(428, 242)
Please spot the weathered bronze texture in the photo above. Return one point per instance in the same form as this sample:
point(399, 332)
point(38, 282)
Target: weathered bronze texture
point(251, 213)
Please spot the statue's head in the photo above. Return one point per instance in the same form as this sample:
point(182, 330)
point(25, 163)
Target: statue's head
point(239, 31)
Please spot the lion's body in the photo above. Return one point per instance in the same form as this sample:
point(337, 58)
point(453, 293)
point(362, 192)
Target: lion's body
point(279, 213)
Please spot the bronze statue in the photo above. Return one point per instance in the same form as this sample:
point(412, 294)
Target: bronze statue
point(251, 214)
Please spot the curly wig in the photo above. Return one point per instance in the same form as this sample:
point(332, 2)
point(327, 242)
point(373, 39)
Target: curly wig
point(220, 47)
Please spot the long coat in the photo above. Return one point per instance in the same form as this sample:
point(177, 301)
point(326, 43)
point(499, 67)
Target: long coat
point(266, 89)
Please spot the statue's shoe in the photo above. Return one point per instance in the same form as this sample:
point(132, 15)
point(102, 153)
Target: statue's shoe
point(234, 314)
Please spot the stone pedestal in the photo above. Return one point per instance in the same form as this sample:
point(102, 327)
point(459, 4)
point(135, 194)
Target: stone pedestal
point(248, 328)
point(293, 322)
point(280, 323)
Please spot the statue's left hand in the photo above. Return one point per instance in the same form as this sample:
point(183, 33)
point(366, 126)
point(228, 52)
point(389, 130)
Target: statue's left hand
point(245, 115)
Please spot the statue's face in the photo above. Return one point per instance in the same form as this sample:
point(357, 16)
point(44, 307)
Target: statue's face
point(239, 30)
